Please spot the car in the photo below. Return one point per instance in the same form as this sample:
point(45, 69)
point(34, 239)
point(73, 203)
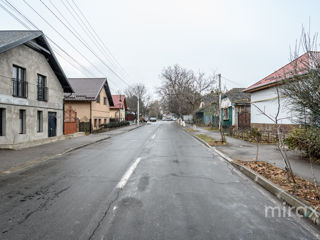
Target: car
point(152, 119)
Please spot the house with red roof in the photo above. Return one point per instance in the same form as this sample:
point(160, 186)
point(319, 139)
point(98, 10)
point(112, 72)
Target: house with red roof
point(264, 96)
point(118, 110)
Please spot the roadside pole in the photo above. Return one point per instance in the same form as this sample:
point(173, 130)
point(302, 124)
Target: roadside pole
point(220, 120)
point(138, 111)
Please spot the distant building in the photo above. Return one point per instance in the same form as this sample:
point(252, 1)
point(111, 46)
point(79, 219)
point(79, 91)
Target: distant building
point(208, 112)
point(235, 109)
point(91, 100)
point(264, 94)
point(119, 108)
point(32, 85)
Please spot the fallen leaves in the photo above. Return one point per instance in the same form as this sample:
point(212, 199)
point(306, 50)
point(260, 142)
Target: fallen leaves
point(302, 189)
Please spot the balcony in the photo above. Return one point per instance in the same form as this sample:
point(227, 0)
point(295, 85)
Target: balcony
point(19, 88)
point(42, 93)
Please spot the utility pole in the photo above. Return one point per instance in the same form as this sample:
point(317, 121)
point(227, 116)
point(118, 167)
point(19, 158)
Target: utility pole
point(220, 120)
point(138, 111)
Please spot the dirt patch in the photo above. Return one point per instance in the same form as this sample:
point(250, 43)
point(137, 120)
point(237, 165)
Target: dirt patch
point(210, 140)
point(303, 189)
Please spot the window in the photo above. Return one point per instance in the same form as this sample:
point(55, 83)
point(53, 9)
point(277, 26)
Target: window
point(105, 121)
point(95, 123)
point(22, 121)
point(42, 88)
point(98, 99)
point(20, 86)
point(2, 121)
point(105, 101)
point(99, 122)
point(39, 121)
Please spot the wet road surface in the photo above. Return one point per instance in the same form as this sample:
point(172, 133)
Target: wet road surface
point(156, 182)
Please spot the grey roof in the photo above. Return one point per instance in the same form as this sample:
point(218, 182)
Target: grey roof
point(88, 89)
point(210, 98)
point(14, 38)
point(236, 95)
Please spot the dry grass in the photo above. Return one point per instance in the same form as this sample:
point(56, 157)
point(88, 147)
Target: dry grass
point(213, 129)
point(303, 189)
point(210, 140)
point(191, 130)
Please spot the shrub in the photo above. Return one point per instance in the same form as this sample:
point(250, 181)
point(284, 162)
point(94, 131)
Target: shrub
point(305, 139)
point(116, 124)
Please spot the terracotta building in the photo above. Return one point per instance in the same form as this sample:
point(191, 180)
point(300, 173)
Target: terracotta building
point(118, 111)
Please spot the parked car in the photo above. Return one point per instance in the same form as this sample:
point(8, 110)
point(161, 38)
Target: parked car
point(152, 119)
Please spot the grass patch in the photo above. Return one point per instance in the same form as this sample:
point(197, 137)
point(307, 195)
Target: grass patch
point(191, 130)
point(213, 129)
point(210, 140)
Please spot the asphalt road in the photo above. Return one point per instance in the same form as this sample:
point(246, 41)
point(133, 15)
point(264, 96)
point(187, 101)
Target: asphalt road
point(156, 182)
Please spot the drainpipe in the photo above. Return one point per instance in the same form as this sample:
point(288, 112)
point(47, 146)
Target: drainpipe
point(90, 121)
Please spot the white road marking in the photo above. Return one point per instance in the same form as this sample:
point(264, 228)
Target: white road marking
point(153, 136)
point(128, 173)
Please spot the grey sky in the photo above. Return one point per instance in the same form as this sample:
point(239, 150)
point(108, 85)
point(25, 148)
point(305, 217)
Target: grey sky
point(242, 40)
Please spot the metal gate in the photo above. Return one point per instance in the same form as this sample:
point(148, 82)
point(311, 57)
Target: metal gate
point(244, 120)
point(52, 124)
point(70, 120)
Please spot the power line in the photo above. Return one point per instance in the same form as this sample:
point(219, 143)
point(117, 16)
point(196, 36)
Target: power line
point(30, 22)
point(97, 36)
point(84, 28)
point(93, 52)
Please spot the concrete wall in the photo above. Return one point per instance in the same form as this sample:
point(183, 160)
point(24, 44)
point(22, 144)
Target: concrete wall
point(266, 100)
point(34, 63)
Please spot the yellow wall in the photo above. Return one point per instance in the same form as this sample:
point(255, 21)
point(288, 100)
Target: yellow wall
point(100, 111)
point(114, 113)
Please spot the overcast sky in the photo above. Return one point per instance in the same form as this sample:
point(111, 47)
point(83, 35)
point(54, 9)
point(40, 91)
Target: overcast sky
point(242, 40)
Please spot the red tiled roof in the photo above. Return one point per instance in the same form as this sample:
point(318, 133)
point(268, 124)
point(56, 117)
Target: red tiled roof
point(299, 66)
point(117, 103)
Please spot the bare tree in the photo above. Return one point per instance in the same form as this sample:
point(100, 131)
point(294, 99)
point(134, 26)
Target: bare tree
point(302, 86)
point(275, 119)
point(132, 93)
point(182, 89)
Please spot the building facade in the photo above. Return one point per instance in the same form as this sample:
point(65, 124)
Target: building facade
point(266, 92)
point(91, 101)
point(32, 86)
point(119, 108)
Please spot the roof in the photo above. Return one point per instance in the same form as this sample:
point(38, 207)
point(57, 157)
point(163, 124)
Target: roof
point(210, 98)
point(119, 101)
point(236, 95)
point(297, 67)
point(88, 89)
point(37, 41)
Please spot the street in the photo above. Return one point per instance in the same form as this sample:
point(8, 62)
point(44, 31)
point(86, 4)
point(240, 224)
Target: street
point(155, 182)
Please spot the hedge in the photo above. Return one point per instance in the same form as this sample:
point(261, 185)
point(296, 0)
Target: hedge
point(115, 124)
point(305, 139)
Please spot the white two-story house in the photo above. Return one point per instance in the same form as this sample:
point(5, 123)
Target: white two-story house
point(32, 87)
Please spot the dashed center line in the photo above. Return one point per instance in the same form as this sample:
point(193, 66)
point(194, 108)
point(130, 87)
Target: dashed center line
point(128, 173)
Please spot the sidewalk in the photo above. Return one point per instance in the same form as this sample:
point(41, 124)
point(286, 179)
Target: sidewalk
point(15, 160)
point(242, 150)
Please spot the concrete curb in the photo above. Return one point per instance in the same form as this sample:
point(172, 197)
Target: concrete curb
point(312, 213)
point(31, 163)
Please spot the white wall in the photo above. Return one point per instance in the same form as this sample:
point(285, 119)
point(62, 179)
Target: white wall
point(266, 100)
